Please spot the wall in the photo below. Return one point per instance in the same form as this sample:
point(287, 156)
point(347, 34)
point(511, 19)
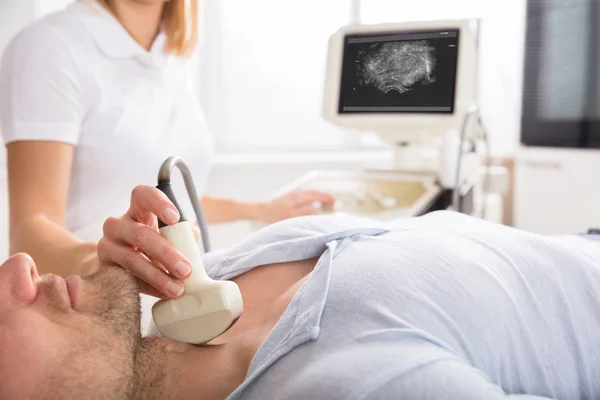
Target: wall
point(44, 7)
point(501, 68)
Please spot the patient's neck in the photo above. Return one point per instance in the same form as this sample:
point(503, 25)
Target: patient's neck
point(214, 371)
point(171, 370)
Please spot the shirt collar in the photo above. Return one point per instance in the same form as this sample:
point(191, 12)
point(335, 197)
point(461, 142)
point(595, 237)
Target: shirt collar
point(113, 39)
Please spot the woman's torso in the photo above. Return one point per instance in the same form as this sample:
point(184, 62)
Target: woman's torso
point(123, 144)
point(136, 108)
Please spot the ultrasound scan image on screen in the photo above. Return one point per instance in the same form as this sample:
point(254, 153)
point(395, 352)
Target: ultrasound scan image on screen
point(407, 72)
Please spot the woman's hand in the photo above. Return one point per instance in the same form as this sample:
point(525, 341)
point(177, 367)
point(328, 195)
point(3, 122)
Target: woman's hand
point(296, 204)
point(133, 242)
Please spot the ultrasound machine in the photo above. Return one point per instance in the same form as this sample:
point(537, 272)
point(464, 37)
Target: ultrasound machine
point(413, 85)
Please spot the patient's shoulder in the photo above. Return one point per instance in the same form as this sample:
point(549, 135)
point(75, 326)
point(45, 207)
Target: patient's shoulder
point(310, 226)
point(290, 240)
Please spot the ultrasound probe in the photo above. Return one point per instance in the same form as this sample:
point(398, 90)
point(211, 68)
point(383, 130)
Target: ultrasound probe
point(208, 307)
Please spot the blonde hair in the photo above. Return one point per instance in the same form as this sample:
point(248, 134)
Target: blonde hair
point(180, 24)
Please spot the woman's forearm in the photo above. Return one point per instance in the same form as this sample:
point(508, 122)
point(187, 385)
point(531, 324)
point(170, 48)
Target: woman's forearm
point(290, 205)
point(53, 248)
point(224, 210)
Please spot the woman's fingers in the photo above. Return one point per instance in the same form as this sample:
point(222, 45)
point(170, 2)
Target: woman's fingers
point(196, 232)
point(146, 288)
point(141, 267)
point(150, 242)
point(312, 196)
point(158, 264)
point(147, 201)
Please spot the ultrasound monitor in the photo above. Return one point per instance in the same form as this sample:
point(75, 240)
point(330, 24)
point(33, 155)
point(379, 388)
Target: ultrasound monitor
point(399, 72)
point(412, 84)
point(401, 80)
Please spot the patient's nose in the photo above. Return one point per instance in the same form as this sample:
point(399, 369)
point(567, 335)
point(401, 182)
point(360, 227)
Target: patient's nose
point(18, 277)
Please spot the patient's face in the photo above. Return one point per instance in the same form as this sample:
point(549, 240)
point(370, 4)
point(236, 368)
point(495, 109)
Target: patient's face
point(59, 340)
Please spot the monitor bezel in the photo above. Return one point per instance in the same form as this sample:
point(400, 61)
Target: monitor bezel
point(390, 125)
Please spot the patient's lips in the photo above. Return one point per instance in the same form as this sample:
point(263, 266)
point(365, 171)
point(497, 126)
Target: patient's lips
point(56, 285)
point(73, 284)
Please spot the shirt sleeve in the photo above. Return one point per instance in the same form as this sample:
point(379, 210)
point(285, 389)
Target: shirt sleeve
point(40, 89)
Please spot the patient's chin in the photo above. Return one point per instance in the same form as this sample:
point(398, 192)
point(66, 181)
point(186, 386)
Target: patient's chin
point(116, 302)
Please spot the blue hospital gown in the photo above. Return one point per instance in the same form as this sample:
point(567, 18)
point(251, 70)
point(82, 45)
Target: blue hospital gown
point(443, 306)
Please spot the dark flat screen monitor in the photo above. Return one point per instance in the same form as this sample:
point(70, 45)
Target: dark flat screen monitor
point(561, 93)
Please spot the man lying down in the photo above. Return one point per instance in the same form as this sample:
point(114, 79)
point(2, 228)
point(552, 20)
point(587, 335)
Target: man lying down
point(442, 306)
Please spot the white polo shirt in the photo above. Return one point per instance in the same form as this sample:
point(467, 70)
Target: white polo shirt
point(78, 77)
